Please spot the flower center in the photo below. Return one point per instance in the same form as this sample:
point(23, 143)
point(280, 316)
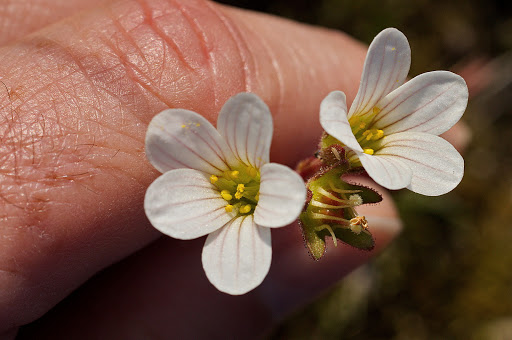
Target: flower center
point(368, 138)
point(240, 188)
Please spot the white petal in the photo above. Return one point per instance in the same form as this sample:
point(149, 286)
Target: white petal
point(388, 171)
point(431, 102)
point(385, 68)
point(333, 118)
point(282, 196)
point(184, 204)
point(437, 167)
point(237, 257)
point(178, 138)
point(246, 124)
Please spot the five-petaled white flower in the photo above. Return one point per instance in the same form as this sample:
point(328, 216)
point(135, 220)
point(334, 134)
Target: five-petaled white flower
point(392, 128)
point(219, 182)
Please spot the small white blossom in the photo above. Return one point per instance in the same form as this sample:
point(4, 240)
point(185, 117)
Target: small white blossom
point(392, 128)
point(219, 182)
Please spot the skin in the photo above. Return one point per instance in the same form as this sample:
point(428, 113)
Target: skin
point(76, 96)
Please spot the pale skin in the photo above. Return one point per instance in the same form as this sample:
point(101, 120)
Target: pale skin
point(76, 96)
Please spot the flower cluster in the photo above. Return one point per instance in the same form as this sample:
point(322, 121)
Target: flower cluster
point(219, 182)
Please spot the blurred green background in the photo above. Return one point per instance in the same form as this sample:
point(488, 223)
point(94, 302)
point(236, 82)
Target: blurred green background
point(449, 274)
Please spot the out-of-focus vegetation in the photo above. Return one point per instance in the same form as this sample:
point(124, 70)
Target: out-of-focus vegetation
point(449, 275)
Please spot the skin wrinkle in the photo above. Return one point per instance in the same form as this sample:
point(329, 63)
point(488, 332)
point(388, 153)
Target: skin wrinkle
point(241, 46)
point(151, 21)
point(132, 70)
point(201, 36)
point(277, 72)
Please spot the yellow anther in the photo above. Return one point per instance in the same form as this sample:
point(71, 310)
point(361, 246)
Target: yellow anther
point(366, 133)
point(239, 189)
point(378, 135)
point(226, 195)
point(235, 173)
point(368, 151)
point(213, 179)
point(229, 208)
point(376, 110)
point(257, 197)
point(197, 124)
point(245, 209)
point(362, 125)
point(369, 136)
point(183, 126)
point(251, 171)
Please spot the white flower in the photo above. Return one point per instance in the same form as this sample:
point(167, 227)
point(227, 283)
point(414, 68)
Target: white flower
point(392, 128)
point(219, 182)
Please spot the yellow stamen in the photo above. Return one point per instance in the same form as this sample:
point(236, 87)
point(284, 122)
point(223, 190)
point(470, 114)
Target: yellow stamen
point(326, 193)
point(239, 190)
point(328, 227)
point(319, 216)
point(357, 127)
point(378, 135)
point(245, 209)
point(316, 203)
point(341, 191)
point(369, 136)
point(368, 151)
point(235, 173)
point(226, 195)
point(251, 171)
point(257, 197)
point(213, 179)
point(229, 208)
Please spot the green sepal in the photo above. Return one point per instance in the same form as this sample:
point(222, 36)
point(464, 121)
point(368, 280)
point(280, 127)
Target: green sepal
point(364, 240)
point(328, 140)
point(315, 242)
point(368, 195)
